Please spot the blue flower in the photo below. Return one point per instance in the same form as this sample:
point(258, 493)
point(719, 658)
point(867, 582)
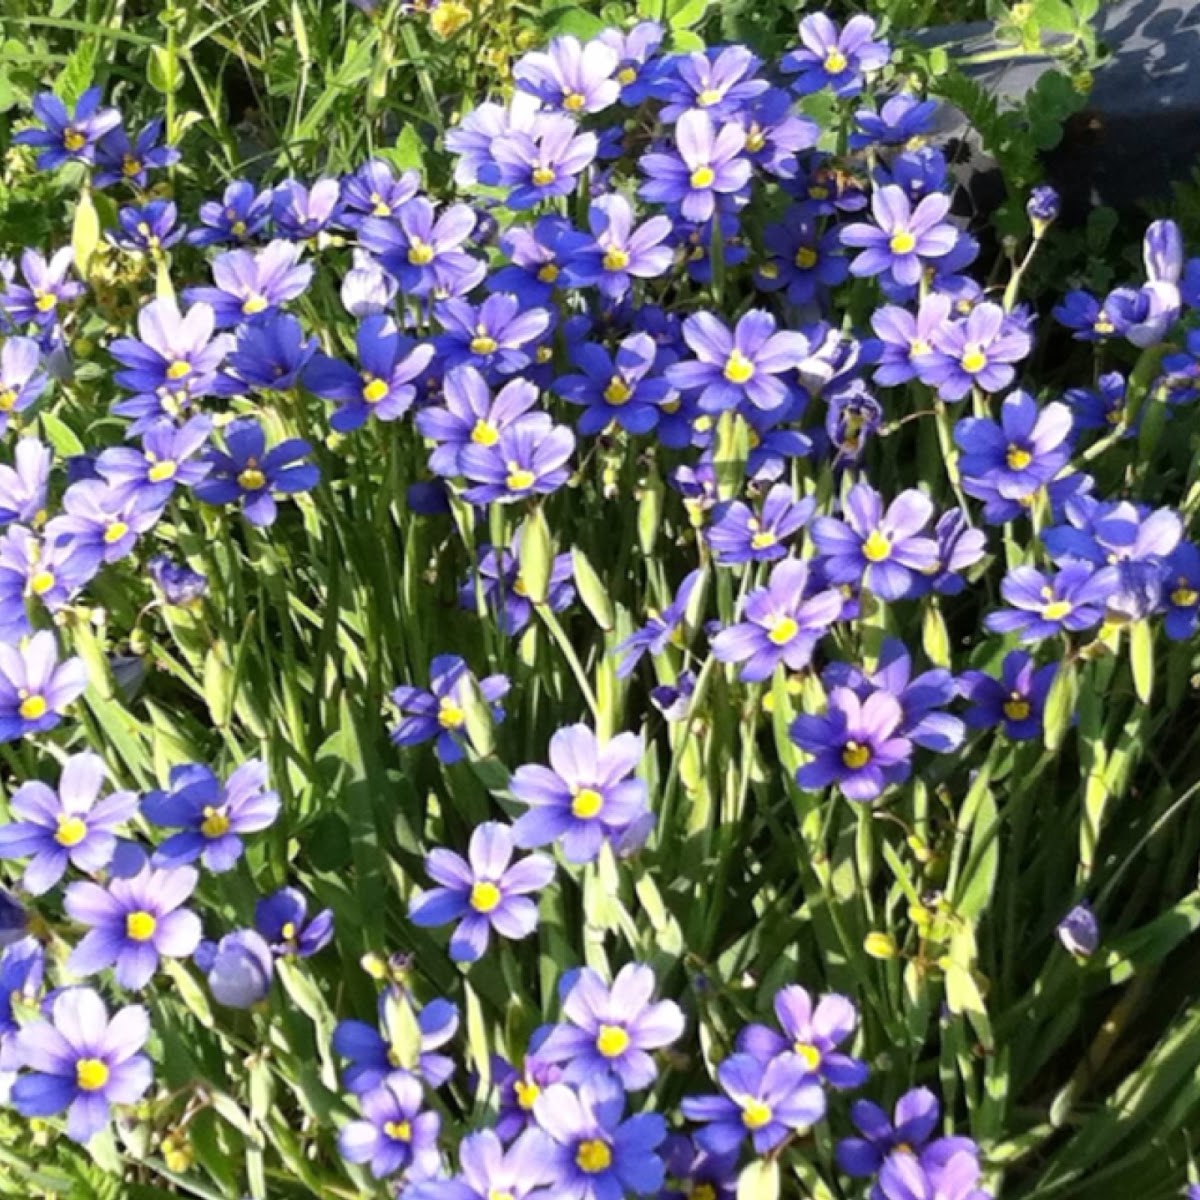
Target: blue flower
point(253, 285)
point(395, 1133)
point(739, 535)
point(300, 213)
point(168, 459)
point(423, 250)
point(68, 136)
point(241, 214)
point(375, 190)
point(834, 58)
point(239, 968)
point(616, 388)
point(148, 229)
point(282, 919)
point(441, 712)
point(270, 355)
point(495, 336)
point(118, 160)
point(660, 630)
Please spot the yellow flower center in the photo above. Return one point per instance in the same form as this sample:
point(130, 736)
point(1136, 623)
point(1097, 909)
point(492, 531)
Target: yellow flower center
point(130, 166)
point(374, 391)
point(90, 1074)
point(484, 433)
point(179, 369)
point(703, 1191)
point(756, 1114)
point(974, 360)
point(398, 1131)
point(71, 831)
point(806, 257)
point(160, 472)
point(877, 547)
point(498, 1194)
point(419, 253)
point(485, 897)
point(527, 1094)
point(450, 716)
point(856, 755)
point(919, 346)
point(709, 97)
point(782, 630)
point(755, 139)
point(45, 301)
point(612, 1041)
point(33, 708)
point(593, 1156)
point(574, 101)
point(140, 925)
point(738, 368)
point(769, 270)
point(41, 582)
point(519, 479)
point(115, 532)
point(618, 391)
point(1103, 325)
point(547, 273)
point(1018, 458)
point(252, 479)
point(1016, 707)
point(543, 176)
point(8, 399)
point(586, 804)
point(238, 229)
point(702, 177)
point(809, 1053)
point(288, 930)
point(763, 540)
point(1056, 610)
point(215, 823)
point(902, 242)
point(615, 259)
point(483, 344)
point(73, 140)
point(1184, 596)
point(626, 76)
point(254, 304)
point(836, 62)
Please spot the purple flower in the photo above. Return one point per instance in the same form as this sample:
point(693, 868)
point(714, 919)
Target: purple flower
point(82, 1061)
point(538, 256)
point(239, 968)
point(914, 1120)
point(134, 922)
point(1102, 408)
point(23, 486)
point(119, 160)
point(584, 797)
point(250, 474)
point(45, 571)
point(300, 212)
point(636, 67)
point(780, 625)
point(46, 287)
point(813, 1032)
point(833, 58)
point(483, 894)
point(856, 744)
point(610, 1030)
point(471, 141)
point(738, 535)
point(168, 459)
point(211, 816)
point(703, 167)
point(882, 550)
point(906, 339)
point(764, 1101)
point(441, 712)
point(374, 190)
point(367, 289)
point(423, 251)
point(1018, 454)
point(544, 164)
point(1079, 931)
point(176, 582)
point(518, 1089)
point(382, 388)
point(498, 589)
point(394, 1134)
point(615, 388)
point(67, 136)
point(775, 134)
point(373, 1059)
point(621, 252)
point(493, 336)
point(71, 825)
point(22, 380)
point(1042, 605)
point(660, 630)
point(253, 285)
point(271, 355)
point(1042, 208)
point(941, 1173)
point(978, 352)
point(901, 119)
point(488, 1171)
point(35, 688)
point(282, 920)
point(527, 459)
point(720, 82)
point(570, 76)
point(802, 259)
point(241, 213)
point(739, 365)
point(173, 361)
point(22, 970)
point(148, 229)
point(903, 240)
point(595, 1155)
point(1016, 700)
point(959, 546)
point(1181, 592)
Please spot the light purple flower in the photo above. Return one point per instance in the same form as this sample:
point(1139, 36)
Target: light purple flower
point(527, 459)
point(22, 380)
point(621, 252)
point(497, 335)
point(978, 352)
point(703, 166)
point(833, 58)
point(46, 289)
point(394, 1133)
point(1071, 600)
point(422, 249)
point(570, 76)
point(35, 688)
point(169, 458)
point(544, 164)
point(903, 240)
point(248, 284)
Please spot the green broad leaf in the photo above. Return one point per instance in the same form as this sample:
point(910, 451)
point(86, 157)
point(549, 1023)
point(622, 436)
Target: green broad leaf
point(537, 556)
point(934, 636)
point(479, 722)
point(651, 10)
point(90, 647)
point(685, 14)
point(77, 76)
point(569, 19)
point(163, 71)
point(304, 993)
point(85, 232)
point(409, 151)
point(403, 1032)
point(1141, 659)
point(759, 1181)
point(60, 435)
point(1060, 705)
point(591, 590)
